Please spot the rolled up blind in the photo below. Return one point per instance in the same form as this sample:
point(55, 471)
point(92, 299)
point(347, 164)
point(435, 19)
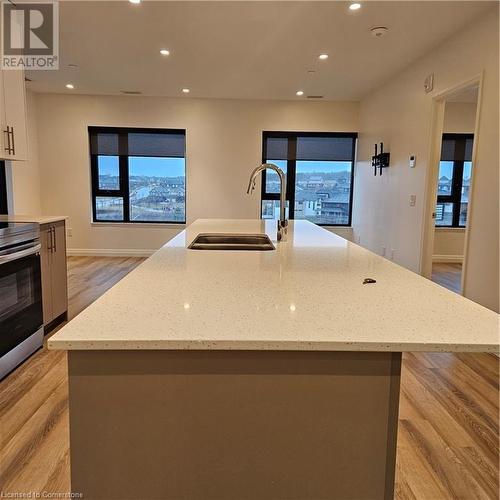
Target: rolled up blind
point(153, 144)
point(120, 141)
point(277, 148)
point(105, 144)
point(457, 147)
point(448, 149)
point(469, 142)
point(310, 147)
point(325, 148)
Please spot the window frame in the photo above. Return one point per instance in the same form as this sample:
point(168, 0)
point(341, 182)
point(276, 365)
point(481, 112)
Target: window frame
point(292, 167)
point(123, 166)
point(455, 198)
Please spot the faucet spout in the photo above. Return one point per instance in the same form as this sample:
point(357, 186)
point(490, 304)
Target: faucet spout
point(283, 221)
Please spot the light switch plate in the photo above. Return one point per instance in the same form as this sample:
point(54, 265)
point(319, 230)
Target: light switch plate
point(413, 161)
point(413, 200)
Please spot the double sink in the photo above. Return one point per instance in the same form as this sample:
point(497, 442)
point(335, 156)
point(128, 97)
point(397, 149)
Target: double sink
point(222, 241)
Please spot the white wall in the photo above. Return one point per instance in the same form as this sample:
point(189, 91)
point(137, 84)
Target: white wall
point(399, 114)
point(459, 118)
point(449, 245)
point(223, 145)
point(24, 192)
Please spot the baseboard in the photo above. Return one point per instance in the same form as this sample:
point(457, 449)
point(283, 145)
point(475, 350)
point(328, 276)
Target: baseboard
point(109, 252)
point(454, 259)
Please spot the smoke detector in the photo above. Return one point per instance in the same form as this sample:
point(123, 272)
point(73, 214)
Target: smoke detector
point(379, 31)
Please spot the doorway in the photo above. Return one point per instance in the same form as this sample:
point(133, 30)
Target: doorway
point(449, 205)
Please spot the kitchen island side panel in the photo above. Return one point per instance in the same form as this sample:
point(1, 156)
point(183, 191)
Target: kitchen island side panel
point(233, 424)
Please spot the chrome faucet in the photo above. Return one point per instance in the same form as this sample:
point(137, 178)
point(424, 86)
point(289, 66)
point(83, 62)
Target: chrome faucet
point(283, 221)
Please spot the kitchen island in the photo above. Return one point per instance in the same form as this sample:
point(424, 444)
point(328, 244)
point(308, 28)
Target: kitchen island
point(253, 374)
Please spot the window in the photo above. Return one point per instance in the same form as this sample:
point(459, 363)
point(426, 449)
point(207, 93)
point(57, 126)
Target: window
point(138, 175)
point(455, 170)
point(319, 168)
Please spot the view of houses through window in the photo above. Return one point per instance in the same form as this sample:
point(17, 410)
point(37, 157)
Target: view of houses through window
point(148, 186)
point(319, 176)
point(139, 175)
point(455, 169)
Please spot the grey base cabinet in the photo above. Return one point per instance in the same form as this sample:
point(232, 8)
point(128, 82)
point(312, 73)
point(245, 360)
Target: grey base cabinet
point(54, 273)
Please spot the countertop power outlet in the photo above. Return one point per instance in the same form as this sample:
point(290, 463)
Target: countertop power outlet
point(413, 161)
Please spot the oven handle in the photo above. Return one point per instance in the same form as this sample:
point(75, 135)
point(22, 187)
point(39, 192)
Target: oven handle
point(20, 255)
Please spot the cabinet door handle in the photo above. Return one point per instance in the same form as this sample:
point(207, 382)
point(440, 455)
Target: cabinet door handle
point(13, 151)
point(55, 240)
point(49, 240)
point(7, 131)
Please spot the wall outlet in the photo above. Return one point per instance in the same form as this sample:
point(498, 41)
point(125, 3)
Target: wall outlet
point(392, 253)
point(69, 232)
point(383, 251)
point(412, 161)
point(413, 200)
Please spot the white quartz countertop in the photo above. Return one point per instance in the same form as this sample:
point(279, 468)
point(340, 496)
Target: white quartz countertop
point(308, 294)
point(41, 219)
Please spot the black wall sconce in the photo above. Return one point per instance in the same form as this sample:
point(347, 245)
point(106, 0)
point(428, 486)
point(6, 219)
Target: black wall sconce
point(380, 160)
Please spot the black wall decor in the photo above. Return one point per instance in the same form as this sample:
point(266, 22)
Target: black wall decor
point(380, 160)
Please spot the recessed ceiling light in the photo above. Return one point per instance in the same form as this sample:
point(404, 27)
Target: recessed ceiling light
point(186, 91)
point(70, 86)
point(135, 1)
point(355, 6)
point(299, 92)
point(165, 52)
point(323, 56)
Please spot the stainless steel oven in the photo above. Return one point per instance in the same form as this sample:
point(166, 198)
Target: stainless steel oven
point(21, 314)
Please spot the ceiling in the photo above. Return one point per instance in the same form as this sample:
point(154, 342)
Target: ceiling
point(245, 50)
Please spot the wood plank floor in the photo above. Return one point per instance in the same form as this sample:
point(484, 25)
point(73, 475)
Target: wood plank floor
point(448, 424)
point(448, 275)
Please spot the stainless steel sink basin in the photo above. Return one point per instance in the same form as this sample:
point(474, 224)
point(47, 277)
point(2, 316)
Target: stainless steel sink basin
point(220, 241)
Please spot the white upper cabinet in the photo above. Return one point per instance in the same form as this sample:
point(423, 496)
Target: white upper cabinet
point(13, 123)
point(14, 136)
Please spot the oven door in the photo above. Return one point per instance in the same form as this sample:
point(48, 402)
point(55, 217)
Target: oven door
point(20, 296)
